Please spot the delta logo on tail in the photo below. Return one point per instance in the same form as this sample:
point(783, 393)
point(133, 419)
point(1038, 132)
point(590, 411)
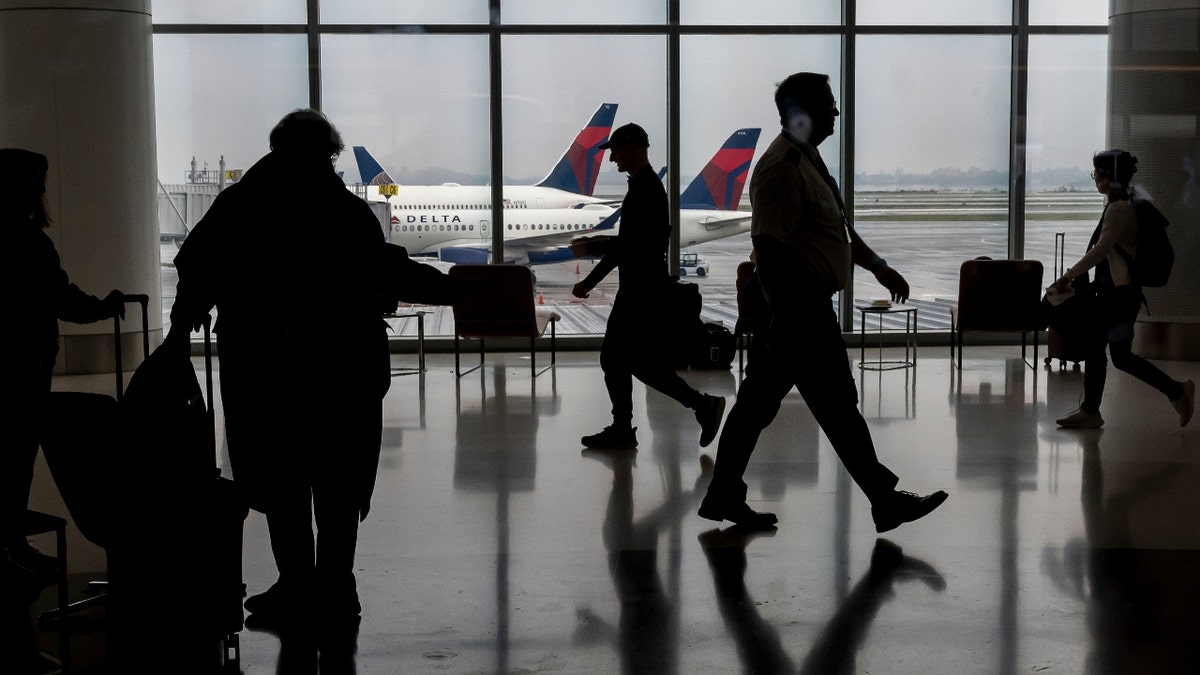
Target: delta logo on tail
point(578, 169)
point(719, 185)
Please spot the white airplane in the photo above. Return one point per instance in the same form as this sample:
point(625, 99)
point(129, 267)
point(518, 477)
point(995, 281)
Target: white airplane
point(571, 182)
point(708, 208)
point(460, 232)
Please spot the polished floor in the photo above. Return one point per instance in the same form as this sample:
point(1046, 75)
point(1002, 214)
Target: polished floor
point(496, 545)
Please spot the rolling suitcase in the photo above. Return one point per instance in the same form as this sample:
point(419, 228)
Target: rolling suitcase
point(1059, 345)
point(182, 530)
point(77, 438)
point(138, 475)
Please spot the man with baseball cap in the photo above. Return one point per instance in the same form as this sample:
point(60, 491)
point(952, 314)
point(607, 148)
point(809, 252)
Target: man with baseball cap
point(633, 340)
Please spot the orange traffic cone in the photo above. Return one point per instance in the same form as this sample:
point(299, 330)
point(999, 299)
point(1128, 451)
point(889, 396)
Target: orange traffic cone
point(541, 298)
point(576, 268)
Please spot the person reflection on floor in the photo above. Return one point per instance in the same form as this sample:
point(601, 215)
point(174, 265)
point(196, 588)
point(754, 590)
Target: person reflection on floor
point(329, 651)
point(759, 644)
point(648, 628)
point(1134, 592)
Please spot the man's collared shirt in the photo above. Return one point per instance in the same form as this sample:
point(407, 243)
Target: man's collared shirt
point(792, 203)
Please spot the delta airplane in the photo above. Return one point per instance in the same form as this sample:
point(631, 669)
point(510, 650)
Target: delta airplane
point(708, 208)
point(460, 233)
point(570, 183)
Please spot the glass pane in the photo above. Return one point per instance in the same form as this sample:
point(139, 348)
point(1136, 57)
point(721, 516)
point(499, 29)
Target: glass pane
point(1066, 123)
point(547, 111)
point(1068, 12)
point(765, 12)
point(584, 12)
point(230, 11)
point(206, 117)
point(409, 11)
point(935, 12)
point(422, 141)
point(931, 161)
point(746, 101)
point(439, 136)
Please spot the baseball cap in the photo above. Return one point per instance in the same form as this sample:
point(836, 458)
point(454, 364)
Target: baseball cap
point(629, 134)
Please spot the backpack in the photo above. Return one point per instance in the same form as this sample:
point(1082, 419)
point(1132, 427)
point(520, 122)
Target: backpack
point(683, 327)
point(714, 349)
point(1155, 255)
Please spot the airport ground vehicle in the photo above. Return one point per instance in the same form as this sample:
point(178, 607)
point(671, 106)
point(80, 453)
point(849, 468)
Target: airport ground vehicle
point(691, 263)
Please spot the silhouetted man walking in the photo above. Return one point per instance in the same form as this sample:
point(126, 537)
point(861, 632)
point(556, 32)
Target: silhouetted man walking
point(635, 332)
point(804, 247)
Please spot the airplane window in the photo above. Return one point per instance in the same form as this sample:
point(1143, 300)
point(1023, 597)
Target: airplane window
point(472, 228)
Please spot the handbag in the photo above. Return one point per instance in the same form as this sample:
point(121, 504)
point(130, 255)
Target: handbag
point(1073, 314)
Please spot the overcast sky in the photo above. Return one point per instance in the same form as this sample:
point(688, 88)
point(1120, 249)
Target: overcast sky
point(420, 102)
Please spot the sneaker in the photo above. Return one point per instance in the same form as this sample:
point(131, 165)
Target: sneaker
point(709, 414)
point(1185, 403)
point(612, 438)
point(904, 507)
point(1081, 419)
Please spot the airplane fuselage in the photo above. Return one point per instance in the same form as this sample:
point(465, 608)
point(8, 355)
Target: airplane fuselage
point(452, 196)
point(426, 231)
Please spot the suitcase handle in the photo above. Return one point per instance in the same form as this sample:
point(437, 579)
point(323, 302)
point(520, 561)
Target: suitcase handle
point(130, 298)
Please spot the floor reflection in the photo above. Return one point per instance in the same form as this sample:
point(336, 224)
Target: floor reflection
point(1141, 603)
point(496, 544)
point(996, 428)
point(760, 647)
point(646, 634)
point(496, 451)
point(328, 651)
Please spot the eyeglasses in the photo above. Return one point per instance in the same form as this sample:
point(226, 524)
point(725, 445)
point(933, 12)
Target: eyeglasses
point(1099, 174)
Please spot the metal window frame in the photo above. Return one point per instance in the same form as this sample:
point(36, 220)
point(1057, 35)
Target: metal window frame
point(1019, 30)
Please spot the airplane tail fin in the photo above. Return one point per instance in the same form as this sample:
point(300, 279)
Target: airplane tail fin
point(719, 185)
point(370, 171)
point(578, 168)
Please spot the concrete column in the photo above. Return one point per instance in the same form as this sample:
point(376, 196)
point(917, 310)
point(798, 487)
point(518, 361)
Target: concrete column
point(1154, 112)
point(77, 85)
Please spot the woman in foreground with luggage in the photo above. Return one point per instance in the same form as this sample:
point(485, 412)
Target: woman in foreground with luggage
point(39, 293)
